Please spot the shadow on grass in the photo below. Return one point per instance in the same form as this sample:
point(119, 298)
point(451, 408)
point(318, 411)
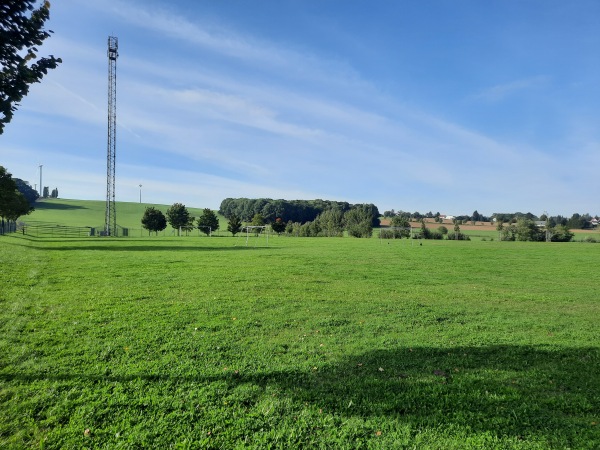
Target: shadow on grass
point(514, 392)
point(55, 205)
point(118, 244)
point(154, 248)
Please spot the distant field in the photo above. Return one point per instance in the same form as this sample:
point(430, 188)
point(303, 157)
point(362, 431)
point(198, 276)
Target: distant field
point(307, 343)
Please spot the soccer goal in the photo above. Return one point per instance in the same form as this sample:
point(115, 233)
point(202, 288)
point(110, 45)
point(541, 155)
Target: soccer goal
point(259, 232)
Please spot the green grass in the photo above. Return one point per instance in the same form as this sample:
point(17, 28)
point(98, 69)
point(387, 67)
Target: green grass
point(90, 213)
point(308, 343)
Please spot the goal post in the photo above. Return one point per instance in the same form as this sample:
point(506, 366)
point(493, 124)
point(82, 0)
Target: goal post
point(257, 230)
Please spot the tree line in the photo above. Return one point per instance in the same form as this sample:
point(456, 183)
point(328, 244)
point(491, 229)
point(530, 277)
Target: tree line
point(333, 220)
point(576, 221)
point(180, 219)
point(296, 211)
point(356, 221)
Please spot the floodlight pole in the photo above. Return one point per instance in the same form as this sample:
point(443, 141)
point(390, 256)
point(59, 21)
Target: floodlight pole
point(110, 224)
point(41, 188)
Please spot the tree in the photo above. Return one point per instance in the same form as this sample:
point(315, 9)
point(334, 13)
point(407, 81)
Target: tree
point(257, 220)
point(499, 228)
point(154, 220)
point(527, 230)
point(278, 226)
point(178, 216)
point(359, 222)
point(331, 222)
point(561, 233)
point(424, 232)
point(400, 221)
point(25, 188)
point(21, 30)
point(208, 221)
point(234, 226)
point(13, 203)
point(189, 226)
point(578, 221)
point(456, 229)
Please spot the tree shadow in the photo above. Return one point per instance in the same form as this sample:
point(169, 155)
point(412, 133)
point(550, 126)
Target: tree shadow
point(116, 244)
point(56, 205)
point(516, 392)
point(153, 248)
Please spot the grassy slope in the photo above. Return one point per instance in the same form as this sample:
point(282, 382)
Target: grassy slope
point(90, 213)
point(344, 343)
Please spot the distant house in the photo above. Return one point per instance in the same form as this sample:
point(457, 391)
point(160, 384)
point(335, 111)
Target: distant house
point(595, 222)
point(540, 223)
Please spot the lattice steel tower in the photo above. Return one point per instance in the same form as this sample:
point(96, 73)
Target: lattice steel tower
point(110, 224)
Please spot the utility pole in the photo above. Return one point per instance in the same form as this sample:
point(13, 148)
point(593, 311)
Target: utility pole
point(41, 185)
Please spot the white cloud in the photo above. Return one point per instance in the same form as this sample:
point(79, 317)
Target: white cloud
point(235, 115)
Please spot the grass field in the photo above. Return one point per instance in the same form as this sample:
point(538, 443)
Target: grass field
point(307, 343)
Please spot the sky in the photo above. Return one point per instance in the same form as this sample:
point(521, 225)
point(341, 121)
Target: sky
point(444, 106)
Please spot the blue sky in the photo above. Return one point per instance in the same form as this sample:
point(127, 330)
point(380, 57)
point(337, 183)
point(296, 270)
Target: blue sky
point(449, 106)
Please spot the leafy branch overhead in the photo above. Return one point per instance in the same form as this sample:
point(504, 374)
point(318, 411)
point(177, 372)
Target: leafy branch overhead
point(21, 32)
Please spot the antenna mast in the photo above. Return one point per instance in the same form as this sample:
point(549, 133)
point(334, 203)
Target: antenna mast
point(110, 224)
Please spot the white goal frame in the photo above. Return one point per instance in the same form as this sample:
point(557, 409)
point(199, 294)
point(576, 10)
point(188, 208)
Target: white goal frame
point(263, 230)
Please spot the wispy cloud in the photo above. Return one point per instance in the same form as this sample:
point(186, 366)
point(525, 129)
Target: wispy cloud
point(501, 91)
point(212, 110)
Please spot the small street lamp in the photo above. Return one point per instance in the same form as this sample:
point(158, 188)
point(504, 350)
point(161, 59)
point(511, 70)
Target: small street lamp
point(140, 193)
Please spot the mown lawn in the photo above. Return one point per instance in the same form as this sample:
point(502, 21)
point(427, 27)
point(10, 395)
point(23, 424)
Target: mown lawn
point(308, 343)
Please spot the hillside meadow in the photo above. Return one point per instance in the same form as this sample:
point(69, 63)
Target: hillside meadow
point(305, 343)
point(90, 213)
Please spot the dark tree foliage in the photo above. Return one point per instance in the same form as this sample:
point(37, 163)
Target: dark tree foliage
point(560, 233)
point(154, 220)
point(178, 216)
point(25, 188)
point(21, 31)
point(513, 217)
point(208, 221)
point(527, 230)
point(579, 221)
point(331, 222)
point(234, 226)
point(13, 203)
point(278, 226)
point(359, 222)
point(257, 220)
point(400, 221)
point(295, 210)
